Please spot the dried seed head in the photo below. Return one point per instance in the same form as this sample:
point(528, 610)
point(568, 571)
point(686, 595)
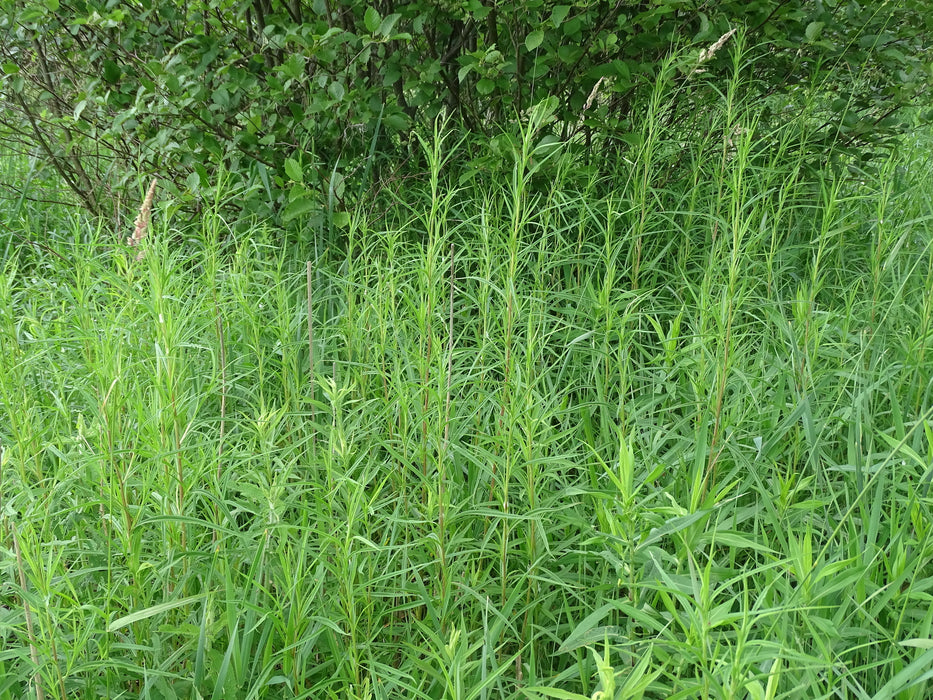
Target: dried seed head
point(589, 100)
point(141, 225)
point(708, 53)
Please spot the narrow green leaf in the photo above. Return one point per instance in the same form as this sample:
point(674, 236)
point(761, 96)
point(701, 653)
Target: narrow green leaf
point(542, 692)
point(918, 643)
point(675, 524)
point(145, 614)
point(581, 634)
point(225, 666)
point(915, 673)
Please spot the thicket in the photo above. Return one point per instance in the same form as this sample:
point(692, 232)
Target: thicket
point(669, 443)
point(647, 414)
point(311, 106)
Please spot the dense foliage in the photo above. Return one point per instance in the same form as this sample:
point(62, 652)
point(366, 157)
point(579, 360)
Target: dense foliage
point(654, 424)
point(312, 103)
point(483, 452)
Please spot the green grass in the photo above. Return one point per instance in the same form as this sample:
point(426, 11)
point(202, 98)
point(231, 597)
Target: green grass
point(674, 441)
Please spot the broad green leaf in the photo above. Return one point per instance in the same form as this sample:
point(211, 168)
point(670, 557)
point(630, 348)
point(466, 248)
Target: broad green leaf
point(111, 71)
point(293, 170)
point(813, 31)
point(371, 20)
point(336, 90)
point(485, 86)
point(559, 14)
point(569, 54)
point(534, 40)
point(297, 192)
point(221, 97)
point(397, 121)
point(388, 24)
point(294, 67)
point(622, 70)
point(571, 27)
point(299, 207)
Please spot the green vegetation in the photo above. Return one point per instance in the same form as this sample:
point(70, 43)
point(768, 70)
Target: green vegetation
point(540, 432)
point(105, 90)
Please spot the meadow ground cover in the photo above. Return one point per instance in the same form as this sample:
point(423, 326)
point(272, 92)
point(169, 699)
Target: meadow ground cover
point(653, 437)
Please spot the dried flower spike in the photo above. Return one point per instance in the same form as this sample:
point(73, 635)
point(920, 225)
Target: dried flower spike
point(707, 54)
point(589, 100)
point(141, 225)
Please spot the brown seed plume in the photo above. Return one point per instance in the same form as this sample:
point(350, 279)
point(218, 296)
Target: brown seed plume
point(141, 225)
point(707, 53)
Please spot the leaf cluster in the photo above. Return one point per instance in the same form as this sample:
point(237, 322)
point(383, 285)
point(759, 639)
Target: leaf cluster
point(312, 102)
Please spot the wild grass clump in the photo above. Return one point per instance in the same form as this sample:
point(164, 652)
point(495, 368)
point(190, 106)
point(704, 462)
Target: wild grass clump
point(669, 442)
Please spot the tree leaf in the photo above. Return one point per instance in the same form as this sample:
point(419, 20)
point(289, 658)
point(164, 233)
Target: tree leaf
point(298, 208)
point(372, 20)
point(813, 31)
point(293, 170)
point(559, 14)
point(462, 73)
point(534, 40)
point(111, 72)
point(388, 24)
point(398, 121)
point(336, 90)
point(485, 86)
